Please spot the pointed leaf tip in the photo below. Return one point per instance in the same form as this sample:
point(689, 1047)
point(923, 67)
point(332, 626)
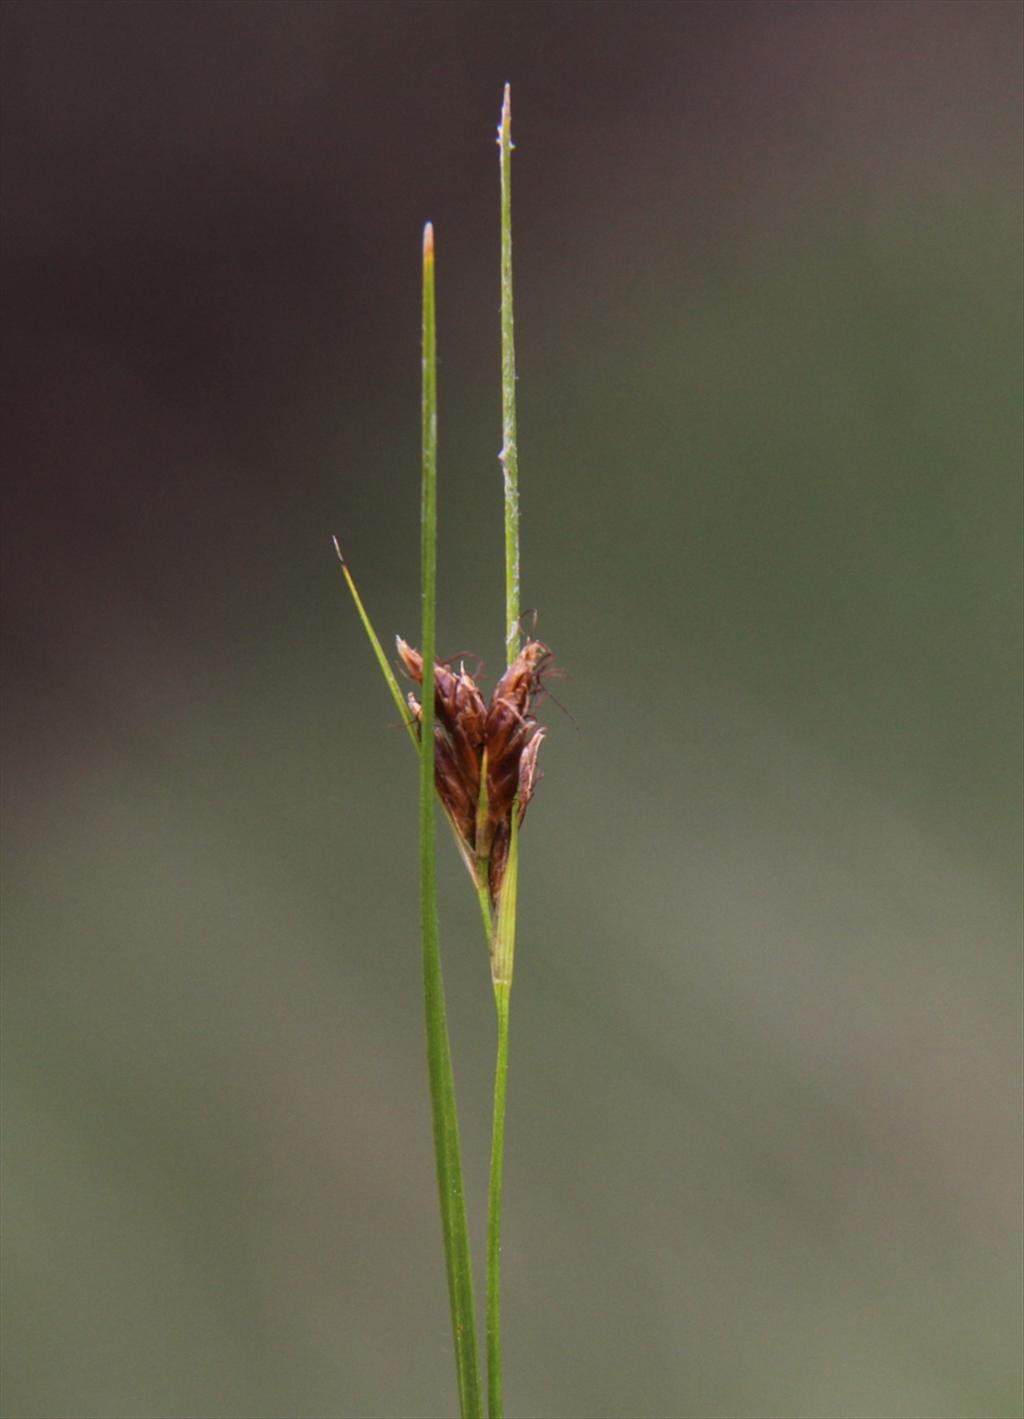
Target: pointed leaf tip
point(428, 241)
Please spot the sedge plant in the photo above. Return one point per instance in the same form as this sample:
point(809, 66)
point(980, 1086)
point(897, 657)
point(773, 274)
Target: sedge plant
point(479, 758)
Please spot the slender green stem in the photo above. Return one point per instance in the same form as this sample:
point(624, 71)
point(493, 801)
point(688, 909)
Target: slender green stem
point(503, 939)
point(442, 1083)
point(495, 1406)
point(502, 960)
point(509, 450)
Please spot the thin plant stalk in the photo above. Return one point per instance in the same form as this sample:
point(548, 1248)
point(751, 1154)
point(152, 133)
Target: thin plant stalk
point(503, 941)
point(495, 1403)
point(509, 449)
point(502, 955)
point(442, 1084)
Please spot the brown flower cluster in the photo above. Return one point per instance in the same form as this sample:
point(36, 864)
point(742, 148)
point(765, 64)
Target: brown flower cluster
point(485, 755)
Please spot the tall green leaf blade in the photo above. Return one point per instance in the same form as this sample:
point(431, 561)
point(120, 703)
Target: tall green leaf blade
point(442, 1084)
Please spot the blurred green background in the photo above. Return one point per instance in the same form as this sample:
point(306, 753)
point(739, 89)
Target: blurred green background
point(764, 1126)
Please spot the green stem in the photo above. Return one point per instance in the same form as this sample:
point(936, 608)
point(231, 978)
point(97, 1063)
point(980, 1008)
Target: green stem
point(503, 939)
point(502, 961)
point(442, 1084)
point(495, 1407)
point(509, 449)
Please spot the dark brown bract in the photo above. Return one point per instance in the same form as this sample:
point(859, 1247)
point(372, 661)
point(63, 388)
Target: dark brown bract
point(485, 755)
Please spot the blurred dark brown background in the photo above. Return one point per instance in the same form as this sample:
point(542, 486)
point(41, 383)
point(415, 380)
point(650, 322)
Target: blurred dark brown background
point(764, 1135)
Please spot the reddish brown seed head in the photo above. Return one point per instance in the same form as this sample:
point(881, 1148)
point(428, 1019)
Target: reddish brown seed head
point(469, 733)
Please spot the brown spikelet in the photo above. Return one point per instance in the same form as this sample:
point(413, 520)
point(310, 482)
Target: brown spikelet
point(528, 775)
point(469, 734)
